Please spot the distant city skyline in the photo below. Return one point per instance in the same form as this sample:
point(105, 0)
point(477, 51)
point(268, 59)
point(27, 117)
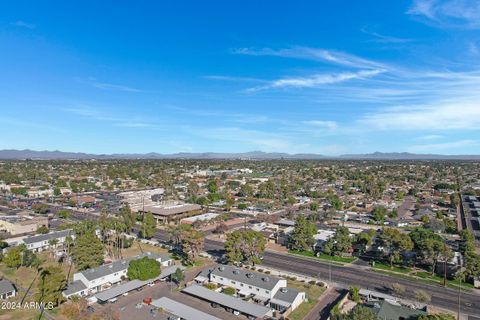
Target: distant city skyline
point(329, 77)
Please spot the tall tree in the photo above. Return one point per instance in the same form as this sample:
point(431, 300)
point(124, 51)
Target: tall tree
point(303, 232)
point(395, 243)
point(245, 246)
point(340, 243)
point(128, 217)
point(88, 251)
point(149, 226)
point(143, 269)
point(188, 241)
point(51, 284)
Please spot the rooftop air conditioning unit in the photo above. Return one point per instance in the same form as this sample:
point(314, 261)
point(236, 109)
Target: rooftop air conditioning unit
point(284, 290)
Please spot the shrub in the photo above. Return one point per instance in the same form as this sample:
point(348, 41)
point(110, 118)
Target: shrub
point(230, 291)
point(312, 282)
point(267, 271)
point(210, 285)
point(260, 270)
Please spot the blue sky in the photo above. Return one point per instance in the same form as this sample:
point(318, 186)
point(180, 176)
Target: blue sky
point(329, 77)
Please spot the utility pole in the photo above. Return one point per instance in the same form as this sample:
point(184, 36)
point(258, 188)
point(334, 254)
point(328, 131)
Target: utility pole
point(459, 292)
point(329, 271)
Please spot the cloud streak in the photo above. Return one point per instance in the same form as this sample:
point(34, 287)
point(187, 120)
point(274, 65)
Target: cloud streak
point(315, 80)
point(116, 87)
point(23, 24)
point(316, 54)
point(448, 116)
point(448, 13)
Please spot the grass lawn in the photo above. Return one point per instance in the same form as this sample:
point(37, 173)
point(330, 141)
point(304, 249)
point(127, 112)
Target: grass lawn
point(325, 257)
point(134, 250)
point(426, 278)
point(313, 293)
point(22, 276)
point(19, 314)
point(386, 267)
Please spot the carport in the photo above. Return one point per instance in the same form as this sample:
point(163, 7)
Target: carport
point(252, 310)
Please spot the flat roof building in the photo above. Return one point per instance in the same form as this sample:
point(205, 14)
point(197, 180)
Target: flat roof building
point(16, 225)
point(165, 213)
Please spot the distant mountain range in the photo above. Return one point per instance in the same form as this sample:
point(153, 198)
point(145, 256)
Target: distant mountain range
point(253, 155)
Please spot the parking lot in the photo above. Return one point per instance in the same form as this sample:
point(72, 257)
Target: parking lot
point(127, 305)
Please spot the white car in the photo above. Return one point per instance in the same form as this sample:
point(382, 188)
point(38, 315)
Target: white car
point(235, 312)
point(113, 300)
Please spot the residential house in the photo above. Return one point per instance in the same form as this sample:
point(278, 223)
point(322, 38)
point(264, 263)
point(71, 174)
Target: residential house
point(98, 279)
point(7, 289)
point(42, 242)
point(261, 287)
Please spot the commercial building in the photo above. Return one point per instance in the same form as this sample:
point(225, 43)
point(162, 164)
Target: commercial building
point(203, 217)
point(173, 212)
point(16, 224)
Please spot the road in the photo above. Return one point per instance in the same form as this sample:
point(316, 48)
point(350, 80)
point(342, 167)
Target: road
point(346, 276)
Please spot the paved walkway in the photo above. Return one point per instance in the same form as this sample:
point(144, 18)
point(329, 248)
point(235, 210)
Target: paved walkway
point(326, 302)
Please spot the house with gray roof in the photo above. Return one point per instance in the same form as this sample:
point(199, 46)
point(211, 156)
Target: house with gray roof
point(287, 298)
point(42, 241)
point(263, 288)
point(7, 289)
point(247, 282)
point(98, 279)
point(385, 310)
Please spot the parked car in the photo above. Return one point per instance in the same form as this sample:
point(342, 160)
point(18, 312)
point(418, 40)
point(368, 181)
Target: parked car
point(90, 309)
point(113, 300)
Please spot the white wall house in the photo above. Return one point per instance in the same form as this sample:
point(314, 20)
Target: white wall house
point(42, 242)
point(98, 279)
point(7, 289)
point(260, 286)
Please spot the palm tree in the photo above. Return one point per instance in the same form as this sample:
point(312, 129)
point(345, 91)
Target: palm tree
point(37, 264)
point(53, 243)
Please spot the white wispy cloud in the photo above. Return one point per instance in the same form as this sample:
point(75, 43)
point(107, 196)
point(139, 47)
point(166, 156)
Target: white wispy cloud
point(97, 114)
point(110, 86)
point(315, 80)
point(448, 13)
point(431, 137)
point(459, 115)
point(327, 124)
point(234, 79)
point(316, 54)
point(23, 24)
point(381, 38)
